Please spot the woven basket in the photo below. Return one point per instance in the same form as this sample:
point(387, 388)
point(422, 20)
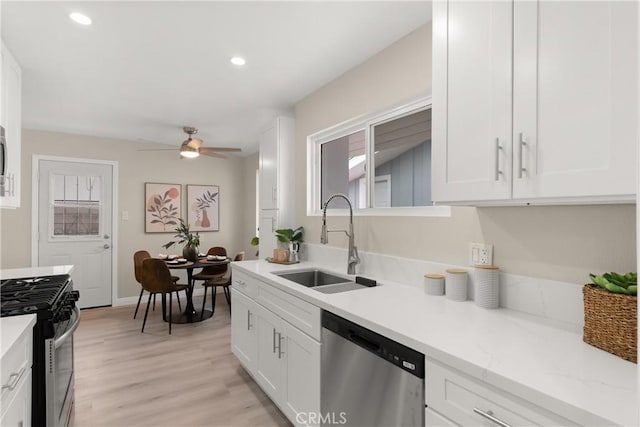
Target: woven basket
point(611, 322)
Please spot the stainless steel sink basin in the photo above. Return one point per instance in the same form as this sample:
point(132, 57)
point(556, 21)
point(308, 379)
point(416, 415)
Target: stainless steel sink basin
point(321, 281)
point(312, 278)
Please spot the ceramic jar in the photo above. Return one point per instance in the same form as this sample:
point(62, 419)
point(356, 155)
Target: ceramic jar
point(434, 284)
point(456, 289)
point(487, 286)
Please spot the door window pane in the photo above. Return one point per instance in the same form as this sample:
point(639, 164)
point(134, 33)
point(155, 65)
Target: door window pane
point(76, 205)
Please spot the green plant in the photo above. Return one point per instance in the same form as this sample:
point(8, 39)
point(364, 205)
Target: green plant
point(616, 283)
point(183, 235)
point(255, 241)
point(286, 235)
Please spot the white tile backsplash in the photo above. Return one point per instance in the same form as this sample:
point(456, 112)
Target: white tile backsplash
point(550, 299)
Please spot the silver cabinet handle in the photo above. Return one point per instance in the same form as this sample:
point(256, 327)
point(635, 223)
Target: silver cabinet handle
point(274, 340)
point(274, 194)
point(13, 379)
point(521, 144)
point(249, 320)
point(489, 415)
point(498, 148)
point(106, 246)
point(280, 352)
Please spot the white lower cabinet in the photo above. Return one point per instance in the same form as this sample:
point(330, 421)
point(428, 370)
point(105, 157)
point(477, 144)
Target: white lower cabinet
point(283, 360)
point(454, 398)
point(243, 329)
point(18, 410)
point(434, 419)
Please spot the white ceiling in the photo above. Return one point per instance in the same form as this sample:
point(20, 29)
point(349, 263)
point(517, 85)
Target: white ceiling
point(145, 69)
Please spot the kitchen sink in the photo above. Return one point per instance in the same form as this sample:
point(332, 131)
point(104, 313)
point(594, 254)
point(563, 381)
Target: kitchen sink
point(324, 282)
point(313, 278)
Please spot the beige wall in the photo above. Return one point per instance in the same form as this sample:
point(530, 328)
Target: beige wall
point(562, 243)
point(135, 168)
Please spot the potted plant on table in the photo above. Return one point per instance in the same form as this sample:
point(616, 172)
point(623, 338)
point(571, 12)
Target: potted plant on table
point(292, 238)
point(190, 240)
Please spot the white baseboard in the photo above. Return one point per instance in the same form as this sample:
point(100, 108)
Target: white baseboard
point(198, 291)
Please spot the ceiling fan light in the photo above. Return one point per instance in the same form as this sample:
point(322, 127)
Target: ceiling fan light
point(188, 152)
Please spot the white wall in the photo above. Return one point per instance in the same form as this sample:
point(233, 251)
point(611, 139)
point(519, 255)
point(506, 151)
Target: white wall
point(561, 243)
point(135, 168)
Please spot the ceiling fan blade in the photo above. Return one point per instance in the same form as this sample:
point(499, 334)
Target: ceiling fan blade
point(213, 154)
point(194, 143)
point(204, 150)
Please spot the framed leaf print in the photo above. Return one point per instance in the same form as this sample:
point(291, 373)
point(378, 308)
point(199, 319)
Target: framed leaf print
point(203, 207)
point(163, 207)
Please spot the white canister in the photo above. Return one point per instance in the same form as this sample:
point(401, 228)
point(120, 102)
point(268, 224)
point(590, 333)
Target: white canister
point(434, 284)
point(487, 286)
point(456, 284)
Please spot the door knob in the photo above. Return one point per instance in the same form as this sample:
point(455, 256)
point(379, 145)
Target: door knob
point(106, 236)
point(106, 246)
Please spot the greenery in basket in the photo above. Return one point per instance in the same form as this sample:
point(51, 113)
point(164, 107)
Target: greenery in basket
point(616, 283)
point(183, 235)
point(286, 235)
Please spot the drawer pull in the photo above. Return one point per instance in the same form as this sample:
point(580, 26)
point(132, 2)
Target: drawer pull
point(13, 379)
point(489, 415)
point(240, 282)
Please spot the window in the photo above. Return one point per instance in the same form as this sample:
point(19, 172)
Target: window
point(76, 207)
point(382, 162)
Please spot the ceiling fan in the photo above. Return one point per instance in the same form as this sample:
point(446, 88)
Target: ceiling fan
point(192, 147)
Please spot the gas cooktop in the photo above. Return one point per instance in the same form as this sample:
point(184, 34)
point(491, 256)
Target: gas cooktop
point(31, 295)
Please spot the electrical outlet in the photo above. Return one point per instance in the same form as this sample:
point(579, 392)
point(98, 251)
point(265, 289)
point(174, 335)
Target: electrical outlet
point(480, 254)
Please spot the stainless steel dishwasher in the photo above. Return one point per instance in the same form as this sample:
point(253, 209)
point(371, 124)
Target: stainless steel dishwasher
point(367, 379)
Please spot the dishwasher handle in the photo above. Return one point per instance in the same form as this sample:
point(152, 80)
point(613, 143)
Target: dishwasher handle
point(363, 342)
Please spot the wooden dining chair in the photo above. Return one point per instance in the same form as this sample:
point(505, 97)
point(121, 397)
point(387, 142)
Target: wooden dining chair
point(138, 257)
point(213, 271)
point(224, 281)
point(156, 279)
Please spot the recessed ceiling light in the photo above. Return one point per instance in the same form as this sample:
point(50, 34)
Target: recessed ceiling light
point(80, 18)
point(238, 60)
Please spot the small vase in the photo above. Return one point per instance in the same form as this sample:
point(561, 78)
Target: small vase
point(190, 253)
point(205, 220)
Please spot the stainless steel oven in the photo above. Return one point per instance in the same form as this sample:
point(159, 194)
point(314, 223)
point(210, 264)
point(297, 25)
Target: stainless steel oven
point(59, 371)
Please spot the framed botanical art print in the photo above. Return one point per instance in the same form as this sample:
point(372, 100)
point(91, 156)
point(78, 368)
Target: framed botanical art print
point(203, 207)
point(162, 207)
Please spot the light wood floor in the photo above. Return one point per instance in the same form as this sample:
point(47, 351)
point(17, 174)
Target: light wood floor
point(188, 378)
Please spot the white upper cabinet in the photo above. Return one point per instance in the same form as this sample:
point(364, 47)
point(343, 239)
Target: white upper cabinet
point(277, 166)
point(11, 121)
point(575, 107)
point(472, 46)
point(534, 102)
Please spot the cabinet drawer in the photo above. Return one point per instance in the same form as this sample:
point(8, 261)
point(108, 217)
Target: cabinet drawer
point(244, 283)
point(464, 400)
point(16, 410)
point(299, 313)
point(15, 364)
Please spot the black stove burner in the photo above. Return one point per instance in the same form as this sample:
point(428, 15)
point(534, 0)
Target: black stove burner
point(30, 295)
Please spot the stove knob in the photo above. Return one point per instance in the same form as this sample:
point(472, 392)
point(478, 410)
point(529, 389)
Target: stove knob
point(65, 314)
point(75, 295)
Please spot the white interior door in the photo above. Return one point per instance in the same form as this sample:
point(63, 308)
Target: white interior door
point(74, 225)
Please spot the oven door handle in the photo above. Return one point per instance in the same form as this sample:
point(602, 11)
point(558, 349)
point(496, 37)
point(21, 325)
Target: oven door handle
point(69, 332)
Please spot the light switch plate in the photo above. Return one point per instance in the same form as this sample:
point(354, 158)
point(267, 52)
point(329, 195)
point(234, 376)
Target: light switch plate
point(480, 254)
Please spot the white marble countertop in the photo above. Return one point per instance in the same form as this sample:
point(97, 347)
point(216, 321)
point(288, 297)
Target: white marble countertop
point(11, 328)
point(15, 273)
point(541, 361)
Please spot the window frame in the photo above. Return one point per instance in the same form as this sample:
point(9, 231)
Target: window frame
point(366, 123)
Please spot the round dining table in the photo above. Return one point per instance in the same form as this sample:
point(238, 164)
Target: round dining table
point(190, 314)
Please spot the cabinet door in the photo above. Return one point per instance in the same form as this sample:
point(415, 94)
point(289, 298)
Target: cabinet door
point(267, 227)
point(434, 419)
point(243, 330)
point(269, 360)
point(269, 168)
point(472, 78)
point(575, 99)
point(18, 411)
point(10, 119)
point(302, 374)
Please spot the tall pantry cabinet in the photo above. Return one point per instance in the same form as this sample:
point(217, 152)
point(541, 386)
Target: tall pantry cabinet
point(276, 183)
point(535, 101)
